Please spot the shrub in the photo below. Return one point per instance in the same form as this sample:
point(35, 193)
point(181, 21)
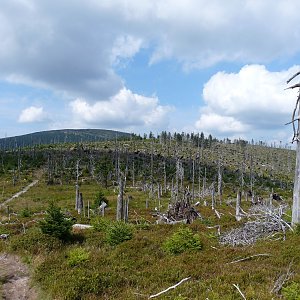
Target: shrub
point(182, 240)
point(26, 213)
point(143, 225)
point(34, 242)
point(292, 291)
point(118, 232)
point(100, 224)
point(77, 256)
point(55, 223)
point(100, 197)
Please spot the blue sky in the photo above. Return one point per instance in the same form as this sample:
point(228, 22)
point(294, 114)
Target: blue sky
point(149, 65)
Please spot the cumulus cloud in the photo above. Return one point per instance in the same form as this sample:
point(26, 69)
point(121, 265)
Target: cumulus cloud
point(32, 114)
point(251, 100)
point(124, 111)
point(72, 46)
point(224, 124)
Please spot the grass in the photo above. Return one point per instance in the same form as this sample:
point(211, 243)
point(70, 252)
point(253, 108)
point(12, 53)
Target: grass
point(138, 267)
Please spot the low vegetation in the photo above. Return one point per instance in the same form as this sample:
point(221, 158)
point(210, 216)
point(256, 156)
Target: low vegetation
point(140, 258)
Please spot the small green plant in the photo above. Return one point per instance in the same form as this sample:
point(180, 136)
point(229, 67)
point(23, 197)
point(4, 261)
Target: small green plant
point(100, 197)
point(77, 256)
point(100, 223)
point(180, 297)
point(297, 229)
point(55, 223)
point(181, 241)
point(26, 213)
point(118, 232)
point(143, 225)
point(292, 291)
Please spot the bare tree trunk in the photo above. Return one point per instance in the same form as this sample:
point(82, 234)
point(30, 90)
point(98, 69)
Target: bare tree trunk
point(296, 193)
point(77, 194)
point(133, 174)
point(165, 177)
point(193, 182)
point(220, 190)
point(238, 206)
point(126, 209)
point(120, 200)
point(296, 138)
point(151, 172)
point(80, 204)
point(213, 198)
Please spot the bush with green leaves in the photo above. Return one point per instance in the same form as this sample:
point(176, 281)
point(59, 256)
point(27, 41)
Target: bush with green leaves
point(100, 223)
point(118, 232)
point(34, 242)
point(182, 240)
point(56, 224)
point(26, 213)
point(77, 256)
point(100, 197)
point(292, 291)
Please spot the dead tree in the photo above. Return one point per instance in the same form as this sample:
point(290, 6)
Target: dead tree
point(79, 203)
point(238, 206)
point(296, 138)
point(120, 199)
point(220, 187)
point(77, 194)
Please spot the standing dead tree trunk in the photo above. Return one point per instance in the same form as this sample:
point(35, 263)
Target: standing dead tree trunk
point(238, 206)
point(120, 199)
point(220, 185)
point(296, 138)
point(78, 206)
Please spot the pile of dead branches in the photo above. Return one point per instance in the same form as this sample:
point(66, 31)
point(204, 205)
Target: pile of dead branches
point(180, 211)
point(263, 222)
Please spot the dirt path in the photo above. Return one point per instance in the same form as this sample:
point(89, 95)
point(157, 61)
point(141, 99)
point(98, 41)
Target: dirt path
point(15, 277)
point(19, 193)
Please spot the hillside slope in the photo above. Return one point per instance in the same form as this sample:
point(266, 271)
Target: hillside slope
point(61, 136)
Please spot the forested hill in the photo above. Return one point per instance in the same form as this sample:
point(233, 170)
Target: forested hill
point(61, 136)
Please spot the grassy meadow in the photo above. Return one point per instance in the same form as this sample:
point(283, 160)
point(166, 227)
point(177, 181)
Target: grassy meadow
point(89, 266)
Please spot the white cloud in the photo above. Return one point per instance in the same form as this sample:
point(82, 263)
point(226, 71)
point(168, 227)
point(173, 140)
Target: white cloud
point(221, 124)
point(40, 46)
point(125, 47)
point(250, 101)
point(124, 111)
point(32, 114)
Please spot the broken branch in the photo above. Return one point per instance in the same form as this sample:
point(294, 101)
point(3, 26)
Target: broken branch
point(295, 75)
point(237, 287)
point(170, 288)
point(248, 257)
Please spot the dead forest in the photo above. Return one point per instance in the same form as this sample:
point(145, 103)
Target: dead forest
point(179, 216)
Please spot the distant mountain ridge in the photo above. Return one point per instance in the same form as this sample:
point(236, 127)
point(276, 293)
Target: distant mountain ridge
point(61, 136)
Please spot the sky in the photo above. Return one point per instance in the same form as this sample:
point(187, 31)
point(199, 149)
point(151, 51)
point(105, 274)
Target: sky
point(150, 65)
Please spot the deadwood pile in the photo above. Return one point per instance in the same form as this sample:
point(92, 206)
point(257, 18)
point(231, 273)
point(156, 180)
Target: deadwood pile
point(264, 222)
point(181, 211)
